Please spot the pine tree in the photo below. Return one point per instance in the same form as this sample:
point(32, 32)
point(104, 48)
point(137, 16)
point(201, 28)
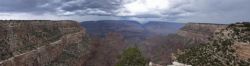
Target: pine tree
point(132, 57)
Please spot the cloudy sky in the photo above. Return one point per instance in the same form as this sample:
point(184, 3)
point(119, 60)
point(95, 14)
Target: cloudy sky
point(212, 11)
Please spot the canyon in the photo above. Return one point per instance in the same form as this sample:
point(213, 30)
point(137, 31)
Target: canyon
point(101, 43)
point(156, 40)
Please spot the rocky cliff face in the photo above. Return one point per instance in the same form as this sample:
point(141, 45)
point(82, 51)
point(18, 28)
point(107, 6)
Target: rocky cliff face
point(227, 47)
point(42, 43)
point(199, 32)
point(160, 48)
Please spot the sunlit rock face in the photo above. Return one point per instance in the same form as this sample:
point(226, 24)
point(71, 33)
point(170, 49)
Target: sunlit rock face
point(153, 64)
point(173, 64)
point(42, 42)
point(178, 64)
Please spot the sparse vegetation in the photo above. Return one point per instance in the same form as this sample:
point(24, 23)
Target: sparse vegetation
point(4, 50)
point(219, 51)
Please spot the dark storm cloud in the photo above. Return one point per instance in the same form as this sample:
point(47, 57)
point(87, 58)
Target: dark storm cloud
point(95, 4)
point(91, 7)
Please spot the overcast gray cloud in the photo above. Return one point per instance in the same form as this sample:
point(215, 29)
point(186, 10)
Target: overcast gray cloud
point(222, 11)
point(29, 6)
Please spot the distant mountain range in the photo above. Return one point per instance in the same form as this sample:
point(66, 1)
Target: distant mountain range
point(130, 29)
